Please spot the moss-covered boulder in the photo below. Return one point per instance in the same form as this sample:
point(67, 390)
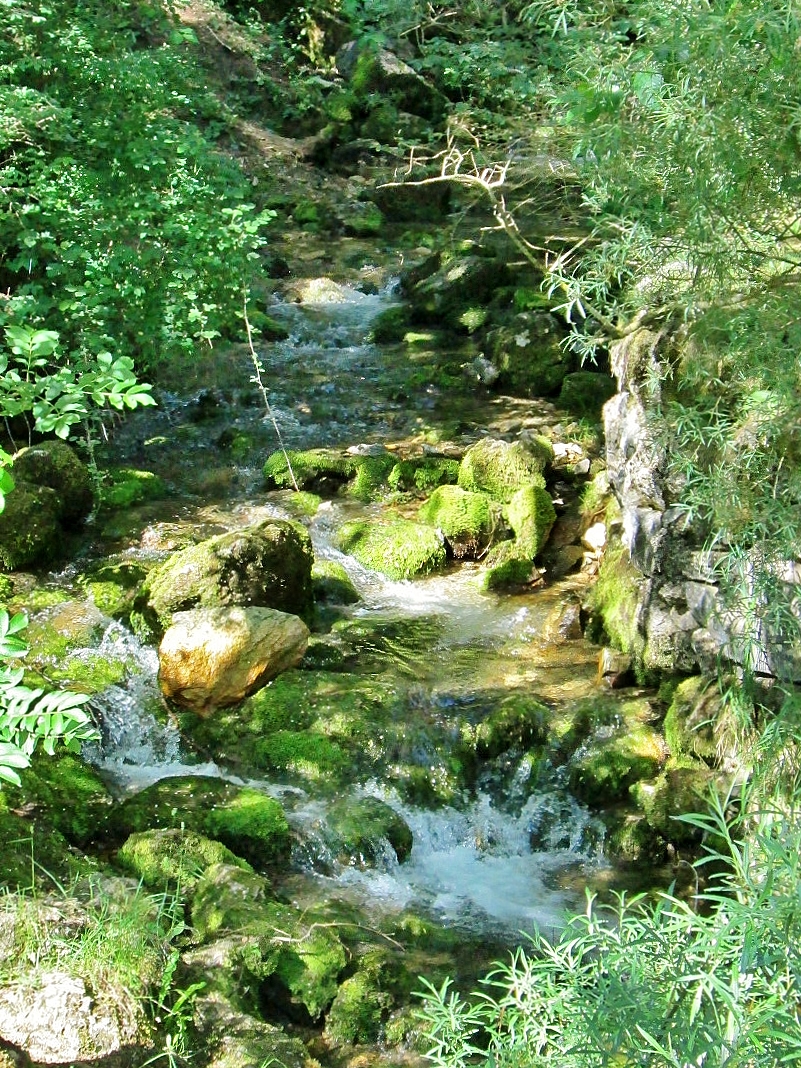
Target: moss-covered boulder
point(468, 520)
point(264, 566)
point(500, 468)
point(613, 603)
point(323, 471)
point(399, 549)
point(30, 531)
point(508, 566)
point(362, 1003)
point(125, 487)
point(173, 858)
point(34, 853)
point(370, 481)
point(233, 1039)
point(602, 772)
point(332, 584)
point(309, 755)
point(459, 285)
point(363, 827)
point(70, 794)
point(678, 790)
point(56, 464)
point(249, 822)
point(423, 473)
point(531, 516)
point(528, 355)
point(689, 726)
point(378, 73)
point(295, 960)
point(519, 722)
point(113, 586)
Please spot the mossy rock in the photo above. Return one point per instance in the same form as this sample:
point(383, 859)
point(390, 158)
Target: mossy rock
point(689, 725)
point(113, 587)
point(322, 471)
point(362, 827)
point(30, 532)
point(265, 566)
point(370, 480)
point(529, 356)
point(172, 858)
point(70, 794)
point(586, 392)
point(604, 772)
point(332, 584)
point(506, 566)
point(613, 603)
point(468, 520)
point(309, 754)
point(462, 283)
point(500, 468)
point(424, 474)
point(233, 1039)
point(390, 327)
point(296, 961)
point(124, 487)
point(531, 516)
point(56, 464)
point(676, 792)
point(633, 840)
point(518, 723)
point(34, 853)
point(399, 549)
point(363, 220)
point(249, 822)
point(362, 1003)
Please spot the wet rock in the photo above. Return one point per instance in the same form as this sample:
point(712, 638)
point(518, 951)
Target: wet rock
point(469, 521)
point(603, 771)
point(518, 723)
point(55, 464)
point(213, 657)
point(332, 584)
point(62, 1019)
point(294, 960)
point(399, 549)
point(30, 531)
point(363, 826)
point(170, 857)
point(248, 822)
point(265, 566)
point(235, 1039)
point(563, 623)
point(531, 516)
point(500, 468)
point(615, 668)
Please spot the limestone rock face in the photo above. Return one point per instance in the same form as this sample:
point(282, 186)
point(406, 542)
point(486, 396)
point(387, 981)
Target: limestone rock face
point(213, 657)
point(60, 1020)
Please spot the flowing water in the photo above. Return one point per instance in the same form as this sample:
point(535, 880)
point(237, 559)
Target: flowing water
point(504, 858)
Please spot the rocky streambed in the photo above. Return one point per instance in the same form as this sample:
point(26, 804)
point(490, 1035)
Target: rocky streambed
point(352, 731)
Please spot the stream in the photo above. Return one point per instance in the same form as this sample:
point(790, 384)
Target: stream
point(495, 860)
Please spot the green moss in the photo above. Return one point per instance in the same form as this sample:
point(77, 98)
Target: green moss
point(332, 583)
point(370, 482)
point(531, 516)
point(500, 468)
point(302, 503)
point(519, 723)
point(249, 822)
point(34, 853)
point(689, 725)
point(279, 947)
point(399, 549)
point(675, 792)
point(610, 766)
point(473, 319)
point(123, 487)
point(29, 527)
point(307, 753)
point(113, 586)
point(70, 794)
point(362, 825)
point(390, 327)
point(424, 474)
point(322, 470)
point(586, 392)
point(505, 566)
point(55, 464)
point(362, 1002)
point(172, 858)
point(614, 602)
point(468, 520)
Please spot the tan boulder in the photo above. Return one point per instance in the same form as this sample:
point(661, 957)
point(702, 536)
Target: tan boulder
point(213, 657)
